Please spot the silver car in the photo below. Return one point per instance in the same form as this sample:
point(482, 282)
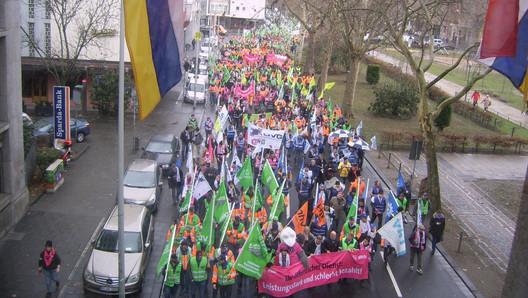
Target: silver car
point(101, 273)
point(142, 184)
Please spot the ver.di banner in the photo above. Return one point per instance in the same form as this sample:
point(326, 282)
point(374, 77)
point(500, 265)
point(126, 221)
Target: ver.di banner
point(324, 269)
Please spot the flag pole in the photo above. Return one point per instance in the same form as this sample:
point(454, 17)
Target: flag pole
point(190, 198)
point(170, 253)
point(120, 156)
point(226, 224)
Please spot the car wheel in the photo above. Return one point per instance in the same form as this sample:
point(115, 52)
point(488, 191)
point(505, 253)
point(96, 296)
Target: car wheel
point(80, 137)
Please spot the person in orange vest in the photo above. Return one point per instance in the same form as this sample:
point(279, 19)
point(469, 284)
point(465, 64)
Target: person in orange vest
point(237, 234)
point(238, 209)
point(261, 215)
point(184, 255)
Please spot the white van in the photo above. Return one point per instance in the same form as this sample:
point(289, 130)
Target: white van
point(196, 88)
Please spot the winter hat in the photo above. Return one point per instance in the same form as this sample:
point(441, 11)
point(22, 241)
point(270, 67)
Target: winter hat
point(49, 244)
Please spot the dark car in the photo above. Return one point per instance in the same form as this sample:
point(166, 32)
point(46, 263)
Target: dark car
point(164, 149)
point(79, 129)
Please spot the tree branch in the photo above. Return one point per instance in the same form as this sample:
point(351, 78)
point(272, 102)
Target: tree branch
point(454, 66)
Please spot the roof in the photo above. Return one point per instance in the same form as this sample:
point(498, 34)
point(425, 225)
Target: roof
point(143, 165)
point(133, 216)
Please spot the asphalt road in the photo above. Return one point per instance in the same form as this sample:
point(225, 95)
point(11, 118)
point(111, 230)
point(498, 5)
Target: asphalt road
point(72, 216)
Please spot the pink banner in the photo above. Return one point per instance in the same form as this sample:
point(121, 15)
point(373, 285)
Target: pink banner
point(245, 93)
point(275, 58)
point(324, 269)
point(251, 58)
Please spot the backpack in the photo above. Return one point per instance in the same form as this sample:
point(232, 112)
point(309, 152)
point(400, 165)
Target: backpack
point(198, 139)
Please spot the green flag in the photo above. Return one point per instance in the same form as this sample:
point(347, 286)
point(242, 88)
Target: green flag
point(254, 255)
point(186, 202)
point(164, 259)
point(245, 174)
point(221, 208)
point(227, 74)
point(353, 207)
point(208, 233)
point(329, 109)
point(268, 178)
point(278, 203)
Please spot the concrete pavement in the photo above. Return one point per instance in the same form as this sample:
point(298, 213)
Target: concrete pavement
point(472, 208)
point(498, 107)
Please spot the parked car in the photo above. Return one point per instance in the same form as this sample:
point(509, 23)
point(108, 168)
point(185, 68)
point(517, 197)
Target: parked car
point(198, 89)
point(142, 184)
point(164, 149)
point(101, 274)
point(202, 74)
point(79, 129)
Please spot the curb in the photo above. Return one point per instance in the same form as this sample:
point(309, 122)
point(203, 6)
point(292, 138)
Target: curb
point(465, 279)
point(80, 148)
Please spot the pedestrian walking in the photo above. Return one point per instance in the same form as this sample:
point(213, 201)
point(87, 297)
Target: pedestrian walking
point(425, 206)
point(175, 179)
point(417, 240)
point(185, 138)
point(172, 282)
point(436, 229)
point(199, 268)
point(486, 102)
point(50, 263)
point(379, 203)
point(475, 97)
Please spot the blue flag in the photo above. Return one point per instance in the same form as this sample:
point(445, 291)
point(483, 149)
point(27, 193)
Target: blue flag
point(300, 173)
point(401, 183)
point(392, 207)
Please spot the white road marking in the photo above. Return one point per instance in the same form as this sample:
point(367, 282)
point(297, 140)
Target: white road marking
point(394, 283)
point(83, 254)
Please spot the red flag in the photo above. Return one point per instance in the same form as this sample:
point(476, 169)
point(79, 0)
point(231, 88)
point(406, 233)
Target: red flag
point(319, 212)
point(499, 38)
point(299, 219)
point(211, 153)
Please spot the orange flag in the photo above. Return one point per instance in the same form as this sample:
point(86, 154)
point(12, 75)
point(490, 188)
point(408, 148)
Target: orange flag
point(299, 219)
point(319, 212)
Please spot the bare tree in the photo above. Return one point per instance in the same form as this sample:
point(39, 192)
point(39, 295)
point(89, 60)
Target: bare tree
point(311, 17)
point(76, 26)
point(398, 16)
point(360, 26)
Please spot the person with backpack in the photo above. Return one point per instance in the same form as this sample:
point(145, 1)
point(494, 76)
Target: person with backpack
point(197, 140)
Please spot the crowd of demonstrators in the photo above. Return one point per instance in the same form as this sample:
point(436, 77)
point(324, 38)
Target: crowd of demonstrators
point(256, 82)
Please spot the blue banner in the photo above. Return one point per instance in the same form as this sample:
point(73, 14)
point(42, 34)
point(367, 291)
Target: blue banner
point(61, 112)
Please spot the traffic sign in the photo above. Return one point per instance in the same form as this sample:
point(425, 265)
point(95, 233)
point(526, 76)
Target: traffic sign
point(198, 36)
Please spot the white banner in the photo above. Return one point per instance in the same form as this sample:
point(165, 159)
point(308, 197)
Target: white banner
point(393, 232)
point(201, 187)
point(268, 138)
point(221, 120)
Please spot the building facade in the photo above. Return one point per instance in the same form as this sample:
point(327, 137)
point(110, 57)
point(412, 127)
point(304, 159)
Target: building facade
point(14, 196)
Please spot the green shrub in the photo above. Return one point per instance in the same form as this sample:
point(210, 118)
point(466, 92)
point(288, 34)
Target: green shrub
point(46, 156)
point(104, 93)
point(398, 100)
point(444, 118)
point(373, 74)
point(27, 132)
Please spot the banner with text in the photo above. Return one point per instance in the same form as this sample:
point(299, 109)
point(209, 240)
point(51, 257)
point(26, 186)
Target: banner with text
point(268, 138)
point(324, 269)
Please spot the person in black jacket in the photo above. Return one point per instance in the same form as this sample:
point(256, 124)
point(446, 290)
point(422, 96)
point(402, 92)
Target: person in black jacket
point(315, 247)
point(436, 229)
point(185, 138)
point(49, 263)
point(175, 180)
point(330, 244)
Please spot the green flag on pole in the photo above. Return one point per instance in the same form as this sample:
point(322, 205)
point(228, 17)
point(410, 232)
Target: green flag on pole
point(208, 233)
point(164, 259)
point(354, 206)
point(330, 107)
point(278, 202)
point(221, 208)
point(245, 174)
point(268, 178)
point(254, 255)
point(326, 87)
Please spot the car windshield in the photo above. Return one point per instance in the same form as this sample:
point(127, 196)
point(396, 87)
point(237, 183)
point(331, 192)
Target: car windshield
point(43, 126)
point(139, 179)
point(203, 71)
point(159, 147)
point(108, 242)
point(197, 87)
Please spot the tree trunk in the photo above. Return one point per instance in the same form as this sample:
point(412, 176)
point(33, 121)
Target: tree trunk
point(350, 87)
point(310, 52)
point(326, 66)
point(517, 273)
point(433, 181)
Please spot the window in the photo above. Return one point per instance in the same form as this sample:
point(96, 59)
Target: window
point(48, 39)
point(48, 10)
point(146, 227)
point(237, 8)
point(31, 35)
point(244, 8)
point(31, 9)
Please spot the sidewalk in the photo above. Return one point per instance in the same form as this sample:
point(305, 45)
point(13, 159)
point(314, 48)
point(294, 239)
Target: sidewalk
point(472, 208)
point(498, 107)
